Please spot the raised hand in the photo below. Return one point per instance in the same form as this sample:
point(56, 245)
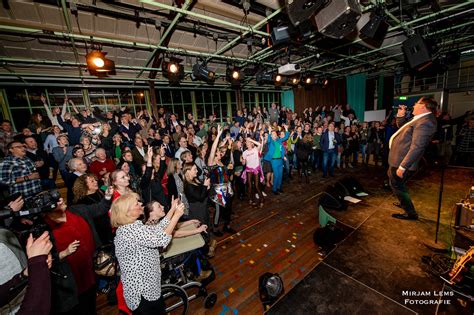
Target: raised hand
point(40, 246)
point(72, 248)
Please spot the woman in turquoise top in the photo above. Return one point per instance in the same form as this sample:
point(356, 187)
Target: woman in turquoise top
point(275, 156)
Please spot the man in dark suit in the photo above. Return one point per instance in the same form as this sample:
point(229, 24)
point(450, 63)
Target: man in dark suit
point(406, 146)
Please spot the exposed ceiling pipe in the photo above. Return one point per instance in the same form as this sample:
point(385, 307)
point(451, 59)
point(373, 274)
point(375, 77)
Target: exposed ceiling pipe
point(237, 39)
point(385, 47)
point(178, 51)
point(166, 35)
point(69, 29)
point(305, 59)
point(204, 17)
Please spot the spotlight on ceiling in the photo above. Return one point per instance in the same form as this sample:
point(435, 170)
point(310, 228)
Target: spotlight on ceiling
point(173, 70)
point(270, 288)
point(308, 80)
point(98, 65)
point(234, 75)
point(323, 82)
point(201, 72)
point(294, 80)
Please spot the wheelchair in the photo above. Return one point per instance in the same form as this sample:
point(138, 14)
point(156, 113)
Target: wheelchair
point(181, 265)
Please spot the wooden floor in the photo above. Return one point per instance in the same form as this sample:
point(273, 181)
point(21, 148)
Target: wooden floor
point(277, 238)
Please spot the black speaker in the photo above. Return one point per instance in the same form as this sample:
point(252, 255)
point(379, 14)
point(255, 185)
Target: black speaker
point(327, 237)
point(376, 28)
point(332, 198)
point(417, 53)
point(280, 35)
point(301, 10)
point(338, 18)
point(349, 186)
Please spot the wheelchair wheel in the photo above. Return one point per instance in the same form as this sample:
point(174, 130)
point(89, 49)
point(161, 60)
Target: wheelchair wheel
point(210, 300)
point(174, 297)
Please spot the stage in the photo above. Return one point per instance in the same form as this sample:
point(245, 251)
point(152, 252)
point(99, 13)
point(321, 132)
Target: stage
point(375, 269)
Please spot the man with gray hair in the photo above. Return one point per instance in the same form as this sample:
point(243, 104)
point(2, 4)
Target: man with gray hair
point(102, 165)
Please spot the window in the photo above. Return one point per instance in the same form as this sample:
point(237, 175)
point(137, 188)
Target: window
point(96, 98)
point(125, 97)
point(34, 95)
point(111, 98)
point(17, 97)
point(56, 97)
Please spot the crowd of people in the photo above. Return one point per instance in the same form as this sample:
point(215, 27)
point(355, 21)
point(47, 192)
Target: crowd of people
point(133, 179)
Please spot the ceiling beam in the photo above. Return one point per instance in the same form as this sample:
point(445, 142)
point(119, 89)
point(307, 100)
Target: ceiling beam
point(204, 17)
point(69, 29)
point(386, 47)
point(61, 35)
point(405, 24)
point(252, 29)
point(167, 34)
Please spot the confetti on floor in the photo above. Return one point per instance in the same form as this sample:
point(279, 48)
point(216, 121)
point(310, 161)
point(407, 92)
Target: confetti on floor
point(265, 245)
point(287, 250)
point(252, 262)
point(258, 249)
point(231, 290)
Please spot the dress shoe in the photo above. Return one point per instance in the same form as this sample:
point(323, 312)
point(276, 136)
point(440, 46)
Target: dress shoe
point(397, 204)
point(404, 216)
point(280, 191)
point(275, 193)
point(218, 233)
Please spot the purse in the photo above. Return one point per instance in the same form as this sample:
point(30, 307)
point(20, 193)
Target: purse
point(221, 193)
point(105, 262)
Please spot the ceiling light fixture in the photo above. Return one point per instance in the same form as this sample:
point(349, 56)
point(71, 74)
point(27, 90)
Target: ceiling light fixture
point(98, 65)
point(173, 70)
point(201, 72)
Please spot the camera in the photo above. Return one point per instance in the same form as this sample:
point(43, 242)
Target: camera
point(96, 131)
point(42, 202)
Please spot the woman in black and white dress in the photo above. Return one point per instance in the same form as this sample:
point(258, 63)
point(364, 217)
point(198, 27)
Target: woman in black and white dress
point(137, 250)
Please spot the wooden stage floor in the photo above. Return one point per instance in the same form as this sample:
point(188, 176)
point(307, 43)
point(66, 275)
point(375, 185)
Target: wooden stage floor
point(279, 237)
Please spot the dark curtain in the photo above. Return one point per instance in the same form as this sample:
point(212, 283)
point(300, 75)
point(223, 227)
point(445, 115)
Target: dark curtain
point(334, 93)
point(369, 94)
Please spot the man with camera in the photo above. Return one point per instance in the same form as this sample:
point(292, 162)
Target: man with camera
point(19, 172)
point(17, 273)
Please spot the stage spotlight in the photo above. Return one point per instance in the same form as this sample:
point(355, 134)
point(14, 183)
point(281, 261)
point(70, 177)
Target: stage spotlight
point(173, 70)
point(234, 76)
point(270, 288)
point(201, 72)
point(294, 80)
point(308, 80)
point(324, 82)
point(98, 65)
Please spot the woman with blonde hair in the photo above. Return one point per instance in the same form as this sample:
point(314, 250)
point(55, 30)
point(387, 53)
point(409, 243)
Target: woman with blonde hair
point(175, 183)
point(137, 250)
